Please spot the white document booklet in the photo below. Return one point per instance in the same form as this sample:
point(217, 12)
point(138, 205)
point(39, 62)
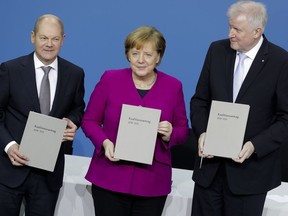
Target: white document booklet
point(226, 129)
point(137, 134)
point(42, 139)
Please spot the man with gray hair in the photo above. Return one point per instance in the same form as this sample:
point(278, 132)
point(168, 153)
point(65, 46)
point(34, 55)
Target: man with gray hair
point(238, 186)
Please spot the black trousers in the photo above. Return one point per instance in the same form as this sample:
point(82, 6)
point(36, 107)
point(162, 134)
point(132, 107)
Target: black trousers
point(38, 198)
point(109, 203)
point(218, 200)
point(68, 147)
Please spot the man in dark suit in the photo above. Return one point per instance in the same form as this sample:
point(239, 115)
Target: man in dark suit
point(20, 81)
point(238, 186)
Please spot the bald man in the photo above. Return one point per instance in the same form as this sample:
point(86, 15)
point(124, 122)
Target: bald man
point(20, 81)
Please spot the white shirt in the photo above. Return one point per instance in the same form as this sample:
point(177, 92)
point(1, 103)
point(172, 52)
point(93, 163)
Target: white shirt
point(251, 56)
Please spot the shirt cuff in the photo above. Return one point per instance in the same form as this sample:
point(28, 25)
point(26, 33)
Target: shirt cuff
point(8, 145)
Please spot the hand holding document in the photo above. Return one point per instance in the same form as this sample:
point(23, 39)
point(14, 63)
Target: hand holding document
point(42, 139)
point(226, 129)
point(137, 134)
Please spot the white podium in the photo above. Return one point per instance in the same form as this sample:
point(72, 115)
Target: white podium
point(75, 197)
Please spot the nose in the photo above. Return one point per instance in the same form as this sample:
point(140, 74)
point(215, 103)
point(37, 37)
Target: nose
point(49, 42)
point(141, 58)
point(231, 33)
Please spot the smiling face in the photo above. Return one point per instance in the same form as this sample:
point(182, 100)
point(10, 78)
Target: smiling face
point(243, 36)
point(143, 60)
point(48, 39)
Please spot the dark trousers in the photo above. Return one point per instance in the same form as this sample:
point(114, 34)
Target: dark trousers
point(109, 203)
point(67, 148)
point(218, 200)
point(39, 199)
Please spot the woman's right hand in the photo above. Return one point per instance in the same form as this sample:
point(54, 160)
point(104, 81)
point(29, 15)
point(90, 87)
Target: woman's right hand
point(109, 150)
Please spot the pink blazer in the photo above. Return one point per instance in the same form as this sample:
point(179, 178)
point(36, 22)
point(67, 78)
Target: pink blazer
point(101, 120)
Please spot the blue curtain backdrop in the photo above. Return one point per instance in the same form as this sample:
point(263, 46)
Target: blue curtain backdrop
point(96, 31)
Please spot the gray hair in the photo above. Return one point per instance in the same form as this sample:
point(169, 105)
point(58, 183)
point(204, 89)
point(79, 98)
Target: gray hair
point(255, 13)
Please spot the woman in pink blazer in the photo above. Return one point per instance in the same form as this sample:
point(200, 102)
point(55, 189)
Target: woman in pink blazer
point(127, 188)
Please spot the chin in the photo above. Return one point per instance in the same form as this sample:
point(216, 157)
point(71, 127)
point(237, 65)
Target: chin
point(234, 46)
point(141, 72)
point(49, 57)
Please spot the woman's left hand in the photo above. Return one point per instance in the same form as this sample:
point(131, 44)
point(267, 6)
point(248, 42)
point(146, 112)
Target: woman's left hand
point(165, 129)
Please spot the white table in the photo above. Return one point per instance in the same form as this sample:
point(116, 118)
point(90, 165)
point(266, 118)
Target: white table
point(75, 197)
point(277, 201)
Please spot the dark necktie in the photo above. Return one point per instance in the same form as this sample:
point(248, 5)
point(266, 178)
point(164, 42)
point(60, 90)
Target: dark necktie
point(44, 97)
point(238, 75)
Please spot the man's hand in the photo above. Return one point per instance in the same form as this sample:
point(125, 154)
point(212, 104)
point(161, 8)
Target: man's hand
point(201, 142)
point(247, 150)
point(16, 157)
point(70, 130)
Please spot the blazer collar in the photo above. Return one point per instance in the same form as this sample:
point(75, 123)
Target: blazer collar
point(229, 68)
point(62, 82)
point(27, 74)
point(256, 68)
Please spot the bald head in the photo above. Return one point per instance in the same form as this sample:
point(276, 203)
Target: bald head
point(51, 19)
point(47, 37)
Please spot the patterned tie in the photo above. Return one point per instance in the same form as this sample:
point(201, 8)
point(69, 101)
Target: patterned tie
point(238, 75)
point(44, 97)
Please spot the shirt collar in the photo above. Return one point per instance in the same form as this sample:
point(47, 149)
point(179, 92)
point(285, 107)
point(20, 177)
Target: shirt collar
point(253, 52)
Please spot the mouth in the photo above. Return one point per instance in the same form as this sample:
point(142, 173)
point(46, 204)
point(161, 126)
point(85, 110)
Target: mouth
point(49, 51)
point(233, 40)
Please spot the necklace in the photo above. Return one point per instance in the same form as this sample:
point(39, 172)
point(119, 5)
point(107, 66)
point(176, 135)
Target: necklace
point(148, 85)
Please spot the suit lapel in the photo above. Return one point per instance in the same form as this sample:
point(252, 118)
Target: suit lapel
point(230, 61)
point(27, 74)
point(60, 87)
point(255, 69)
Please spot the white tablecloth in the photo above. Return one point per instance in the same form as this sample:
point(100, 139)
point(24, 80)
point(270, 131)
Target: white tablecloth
point(75, 196)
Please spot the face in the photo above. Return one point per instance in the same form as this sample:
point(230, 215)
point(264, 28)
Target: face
point(144, 60)
point(242, 36)
point(48, 40)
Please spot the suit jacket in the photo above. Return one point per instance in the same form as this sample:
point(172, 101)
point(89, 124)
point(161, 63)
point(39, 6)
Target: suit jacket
point(101, 120)
point(19, 96)
point(265, 89)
